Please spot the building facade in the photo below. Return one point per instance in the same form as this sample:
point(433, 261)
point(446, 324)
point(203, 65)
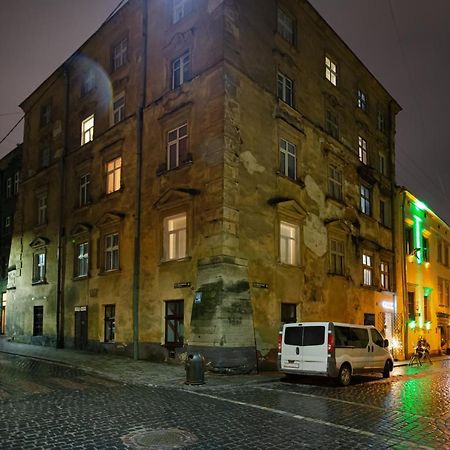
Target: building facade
point(423, 271)
point(214, 169)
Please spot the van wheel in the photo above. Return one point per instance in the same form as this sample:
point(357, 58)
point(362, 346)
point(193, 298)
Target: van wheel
point(387, 370)
point(345, 375)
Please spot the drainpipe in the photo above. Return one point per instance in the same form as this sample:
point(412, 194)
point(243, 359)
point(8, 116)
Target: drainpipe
point(142, 94)
point(404, 274)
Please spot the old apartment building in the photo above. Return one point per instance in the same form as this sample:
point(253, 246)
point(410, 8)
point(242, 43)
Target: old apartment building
point(423, 241)
point(196, 174)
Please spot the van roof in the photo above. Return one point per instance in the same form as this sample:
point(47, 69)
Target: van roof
point(340, 324)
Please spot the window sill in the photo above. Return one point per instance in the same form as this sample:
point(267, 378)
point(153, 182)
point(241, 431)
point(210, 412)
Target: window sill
point(36, 283)
point(83, 207)
point(109, 272)
point(40, 226)
point(338, 275)
point(298, 181)
point(287, 265)
point(337, 201)
point(80, 278)
point(162, 169)
point(370, 287)
point(105, 196)
point(175, 261)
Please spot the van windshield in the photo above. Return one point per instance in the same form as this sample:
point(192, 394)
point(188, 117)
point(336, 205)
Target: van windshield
point(304, 336)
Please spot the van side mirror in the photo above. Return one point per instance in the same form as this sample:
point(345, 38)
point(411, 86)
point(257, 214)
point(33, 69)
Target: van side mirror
point(386, 343)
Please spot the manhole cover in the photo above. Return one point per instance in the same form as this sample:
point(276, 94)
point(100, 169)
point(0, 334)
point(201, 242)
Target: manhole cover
point(164, 438)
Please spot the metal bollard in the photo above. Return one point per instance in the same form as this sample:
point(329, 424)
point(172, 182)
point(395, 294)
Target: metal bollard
point(195, 369)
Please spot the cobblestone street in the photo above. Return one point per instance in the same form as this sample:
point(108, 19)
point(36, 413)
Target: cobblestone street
point(43, 405)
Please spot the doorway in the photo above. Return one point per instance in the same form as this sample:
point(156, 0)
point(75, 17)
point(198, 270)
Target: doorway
point(81, 328)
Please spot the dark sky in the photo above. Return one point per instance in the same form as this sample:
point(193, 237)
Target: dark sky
point(404, 43)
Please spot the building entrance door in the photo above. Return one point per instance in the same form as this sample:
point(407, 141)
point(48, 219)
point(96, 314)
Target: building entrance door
point(81, 327)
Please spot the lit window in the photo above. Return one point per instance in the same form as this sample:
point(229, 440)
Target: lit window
point(87, 130)
point(39, 266)
point(88, 82)
point(330, 70)
point(84, 189)
point(181, 8)
point(82, 260)
point(362, 150)
point(175, 229)
point(335, 182)
point(180, 70)
point(384, 271)
point(42, 209)
point(113, 175)
point(337, 256)
point(119, 56)
point(362, 100)
point(111, 252)
point(174, 323)
point(110, 323)
point(367, 269)
point(177, 145)
point(365, 199)
point(331, 124)
point(16, 182)
point(288, 159)
point(118, 108)
point(285, 89)
point(9, 187)
point(286, 26)
point(289, 243)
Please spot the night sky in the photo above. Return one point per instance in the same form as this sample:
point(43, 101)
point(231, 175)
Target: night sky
point(404, 43)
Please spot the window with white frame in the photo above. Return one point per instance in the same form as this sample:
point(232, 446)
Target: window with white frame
point(88, 82)
point(111, 252)
point(362, 150)
point(289, 243)
point(285, 89)
point(119, 54)
point(39, 266)
point(365, 199)
point(175, 237)
point(334, 182)
point(181, 8)
point(177, 146)
point(118, 112)
point(362, 100)
point(367, 264)
point(288, 159)
point(85, 181)
point(385, 275)
point(82, 259)
point(9, 187)
point(113, 175)
point(330, 70)
point(87, 130)
point(337, 256)
point(331, 124)
point(180, 70)
point(286, 26)
point(16, 182)
point(42, 209)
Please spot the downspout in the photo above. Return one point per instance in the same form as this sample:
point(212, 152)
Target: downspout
point(60, 255)
point(142, 94)
point(404, 274)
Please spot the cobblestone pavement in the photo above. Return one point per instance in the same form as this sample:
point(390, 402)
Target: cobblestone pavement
point(49, 406)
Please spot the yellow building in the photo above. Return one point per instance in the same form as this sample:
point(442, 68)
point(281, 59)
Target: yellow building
point(423, 273)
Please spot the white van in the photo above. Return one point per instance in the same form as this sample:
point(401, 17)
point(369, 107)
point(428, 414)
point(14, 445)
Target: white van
point(332, 349)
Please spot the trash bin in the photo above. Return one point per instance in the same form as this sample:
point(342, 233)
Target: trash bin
point(195, 369)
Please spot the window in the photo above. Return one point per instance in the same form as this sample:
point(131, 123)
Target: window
point(304, 336)
point(119, 55)
point(45, 156)
point(377, 339)
point(177, 145)
point(362, 100)
point(181, 8)
point(285, 89)
point(111, 252)
point(385, 213)
point(381, 122)
point(110, 323)
point(365, 199)
point(84, 189)
point(16, 182)
point(9, 187)
point(337, 256)
point(331, 124)
point(409, 241)
point(118, 113)
point(334, 182)
point(362, 150)
point(351, 337)
point(113, 175)
point(174, 323)
point(411, 306)
point(88, 82)
point(289, 243)
point(39, 266)
point(42, 209)
point(180, 70)
point(87, 130)
point(38, 320)
point(367, 269)
point(441, 288)
point(369, 319)
point(330, 70)
point(46, 114)
point(288, 313)
point(82, 260)
point(447, 293)
point(288, 159)
point(7, 221)
point(426, 308)
point(425, 249)
point(385, 276)
point(285, 26)
point(382, 163)
point(175, 231)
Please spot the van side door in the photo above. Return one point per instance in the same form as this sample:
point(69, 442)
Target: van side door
point(292, 347)
point(315, 348)
point(379, 353)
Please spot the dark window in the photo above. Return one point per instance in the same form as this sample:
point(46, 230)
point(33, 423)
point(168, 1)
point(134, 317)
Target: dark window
point(286, 26)
point(426, 308)
point(362, 100)
point(285, 89)
point(304, 336)
point(409, 241)
point(351, 337)
point(288, 313)
point(39, 266)
point(365, 200)
point(180, 70)
point(293, 336)
point(369, 319)
point(331, 124)
point(46, 114)
point(377, 338)
point(411, 306)
point(174, 323)
point(288, 159)
point(88, 82)
point(38, 320)
point(119, 54)
point(110, 323)
point(425, 249)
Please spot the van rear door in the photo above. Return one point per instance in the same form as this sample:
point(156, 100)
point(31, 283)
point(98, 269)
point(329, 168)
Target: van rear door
point(291, 347)
point(315, 348)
